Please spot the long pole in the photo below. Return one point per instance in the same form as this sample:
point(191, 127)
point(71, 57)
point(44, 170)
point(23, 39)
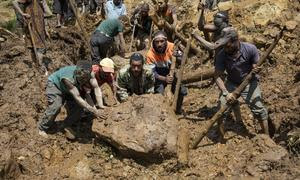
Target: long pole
point(179, 77)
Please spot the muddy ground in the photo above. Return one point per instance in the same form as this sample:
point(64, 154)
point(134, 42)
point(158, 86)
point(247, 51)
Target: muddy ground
point(25, 155)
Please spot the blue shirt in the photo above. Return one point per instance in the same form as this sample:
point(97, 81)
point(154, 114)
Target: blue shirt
point(238, 68)
point(114, 12)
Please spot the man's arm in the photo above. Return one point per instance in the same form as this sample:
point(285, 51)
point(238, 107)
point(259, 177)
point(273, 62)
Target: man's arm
point(175, 21)
point(122, 41)
point(219, 81)
point(206, 44)
point(150, 79)
point(121, 87)
point(76, 95)
point(97, 90)
point(17, 7)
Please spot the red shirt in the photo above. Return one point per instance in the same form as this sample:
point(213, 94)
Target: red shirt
point(109, 79)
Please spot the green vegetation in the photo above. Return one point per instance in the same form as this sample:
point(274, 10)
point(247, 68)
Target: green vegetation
point(9, 25)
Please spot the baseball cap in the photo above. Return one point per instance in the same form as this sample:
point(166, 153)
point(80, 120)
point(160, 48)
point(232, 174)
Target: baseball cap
point(227, 34)
point(107, 65)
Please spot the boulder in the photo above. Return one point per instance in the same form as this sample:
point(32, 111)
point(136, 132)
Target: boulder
point(143, 127)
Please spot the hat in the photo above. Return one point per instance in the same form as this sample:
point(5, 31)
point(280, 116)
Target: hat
point(137, 57)
point(227, 34)
point(107, 65)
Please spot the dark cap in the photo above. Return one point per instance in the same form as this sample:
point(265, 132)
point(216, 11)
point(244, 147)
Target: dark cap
point(137, 57)
point(227, 34)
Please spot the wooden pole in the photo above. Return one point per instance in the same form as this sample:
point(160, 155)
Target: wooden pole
point(79, 22)
point(199, 75)
point(179, 77)
point(236, 93)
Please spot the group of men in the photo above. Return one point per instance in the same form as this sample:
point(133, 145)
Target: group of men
point(79, 86)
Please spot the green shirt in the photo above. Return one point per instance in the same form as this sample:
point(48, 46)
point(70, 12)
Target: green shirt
point(128, 84)
point(63, 73)
point(111, 27)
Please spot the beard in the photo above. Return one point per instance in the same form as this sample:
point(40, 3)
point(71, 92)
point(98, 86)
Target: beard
point(160, 50)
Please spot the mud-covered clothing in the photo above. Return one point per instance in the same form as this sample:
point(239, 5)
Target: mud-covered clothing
point(110, 27)
point(102, 39)
point(62, 7)
point(160, 63)
point(56, 99)
point(252, 96)
point(109, 79)
point(114, 12)
point(128, 84)
point(63, 73)
point(238, 68)
point(100, 45)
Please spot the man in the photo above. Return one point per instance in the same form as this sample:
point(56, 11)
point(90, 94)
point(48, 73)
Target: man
point(160, 57)
point(102, 39)
point(238, 59)
point(63, 12)
point(104, 73)
point(30, 15)
point(166, 12)
point(114, 9)
point(64, 87)
point(135, 78)
point(97, 6)
point(142, 21)
point(221, 21)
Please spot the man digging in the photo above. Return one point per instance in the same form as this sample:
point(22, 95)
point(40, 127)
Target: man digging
point(238, 59)
point(65, 86)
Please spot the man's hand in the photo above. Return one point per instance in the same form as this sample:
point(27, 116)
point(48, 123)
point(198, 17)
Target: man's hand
point(25, 15)
point(256, 69)
point(161, 23)
point(100, 113)
point(200, 6)
point(169, 79)
point(230, 98)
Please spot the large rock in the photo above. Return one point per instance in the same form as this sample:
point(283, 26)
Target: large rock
point(144, 126)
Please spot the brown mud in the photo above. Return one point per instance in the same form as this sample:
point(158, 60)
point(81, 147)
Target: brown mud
point(26, 155)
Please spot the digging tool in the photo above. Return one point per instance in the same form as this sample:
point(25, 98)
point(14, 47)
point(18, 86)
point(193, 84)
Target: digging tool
point(79, 22)
point(168, 91)
point(179, 77)
point(37, 58)
point(236, 93)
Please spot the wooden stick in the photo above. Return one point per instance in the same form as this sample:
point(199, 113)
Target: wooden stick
point(179, 77)
point(79, 22)
point(168, 92)
point(37, 58)
point(236, 93)
point(132, 37)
